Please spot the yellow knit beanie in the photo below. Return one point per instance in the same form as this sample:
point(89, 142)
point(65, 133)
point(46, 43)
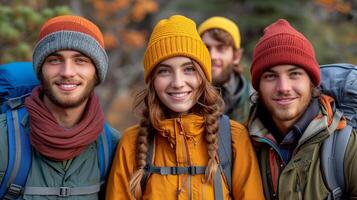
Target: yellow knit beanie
point(221, 23)
point(176, 36)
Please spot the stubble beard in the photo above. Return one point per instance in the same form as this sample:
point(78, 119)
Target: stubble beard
point(65, 102)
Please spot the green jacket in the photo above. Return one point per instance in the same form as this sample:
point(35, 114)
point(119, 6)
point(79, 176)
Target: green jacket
point(301, 177)
point(83, 170)
point(236, 93)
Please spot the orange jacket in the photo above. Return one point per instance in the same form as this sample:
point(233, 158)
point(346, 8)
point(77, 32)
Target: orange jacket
point(170, 150)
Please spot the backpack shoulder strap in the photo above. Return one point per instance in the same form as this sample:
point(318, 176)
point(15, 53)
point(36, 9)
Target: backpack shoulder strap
point(19, 161)
point(225, 149)
point(105, 151)
point(149, 155)
point(332, 159)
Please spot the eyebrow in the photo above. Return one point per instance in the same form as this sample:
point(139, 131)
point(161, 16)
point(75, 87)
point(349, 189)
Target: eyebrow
point(167, 65)
point(289, 70)
point(78, 54)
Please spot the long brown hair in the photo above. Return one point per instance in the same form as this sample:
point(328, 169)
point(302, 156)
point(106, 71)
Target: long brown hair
point(209, 104)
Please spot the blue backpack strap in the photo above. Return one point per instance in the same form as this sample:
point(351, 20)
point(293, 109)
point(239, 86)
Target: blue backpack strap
point(19, 161)
point(105, 151)
point(332, 159)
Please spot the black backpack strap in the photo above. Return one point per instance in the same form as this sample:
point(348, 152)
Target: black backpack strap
point(189, 170)
point(332, 158)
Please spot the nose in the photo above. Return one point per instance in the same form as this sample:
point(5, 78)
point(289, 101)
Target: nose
point(178, 81)
point(67, 69)
point(283, 84)
point(213, 53)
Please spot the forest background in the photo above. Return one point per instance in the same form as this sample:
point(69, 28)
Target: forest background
point(331, 26)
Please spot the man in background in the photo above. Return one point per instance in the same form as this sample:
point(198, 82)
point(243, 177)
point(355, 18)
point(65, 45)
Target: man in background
point(222, 38)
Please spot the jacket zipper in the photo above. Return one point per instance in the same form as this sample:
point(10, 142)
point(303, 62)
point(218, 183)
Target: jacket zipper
point(188, 159)
point(275, 147)
point(298, 187)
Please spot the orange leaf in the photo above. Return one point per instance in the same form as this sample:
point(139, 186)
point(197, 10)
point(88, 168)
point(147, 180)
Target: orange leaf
point(134, 38)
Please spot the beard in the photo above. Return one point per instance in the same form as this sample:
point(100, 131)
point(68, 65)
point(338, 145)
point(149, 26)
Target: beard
point(223, 77)
point(67, 102)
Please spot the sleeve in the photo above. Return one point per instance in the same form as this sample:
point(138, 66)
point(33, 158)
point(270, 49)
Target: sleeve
point(122, 167)
point(246, 179)
point(351, 166)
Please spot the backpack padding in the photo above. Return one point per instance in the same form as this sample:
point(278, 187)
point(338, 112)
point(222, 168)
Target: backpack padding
point(332, 160)
point(16, 79)
point(340, 81)
point(19, 154)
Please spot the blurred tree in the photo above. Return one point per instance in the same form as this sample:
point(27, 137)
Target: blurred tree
point(19, 26)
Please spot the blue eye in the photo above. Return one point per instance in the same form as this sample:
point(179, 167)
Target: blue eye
point(189, 69)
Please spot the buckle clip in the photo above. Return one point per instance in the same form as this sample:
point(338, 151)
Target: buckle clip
point(64, 192)
point(14, 190)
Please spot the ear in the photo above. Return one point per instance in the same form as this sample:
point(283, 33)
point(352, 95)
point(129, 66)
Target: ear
point(237, 56)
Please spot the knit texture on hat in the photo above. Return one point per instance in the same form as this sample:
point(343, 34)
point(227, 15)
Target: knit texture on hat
point(281, 44)
point(176, 36)
point(224, 24)
point(71, 33)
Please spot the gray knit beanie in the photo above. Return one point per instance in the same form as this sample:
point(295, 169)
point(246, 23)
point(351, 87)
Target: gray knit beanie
point(71, 33)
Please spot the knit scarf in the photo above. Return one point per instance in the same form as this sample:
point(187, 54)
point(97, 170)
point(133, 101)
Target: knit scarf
point(56, 142)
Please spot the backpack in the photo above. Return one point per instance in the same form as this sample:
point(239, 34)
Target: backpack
point(16, 83)
point(224, 154)
point(340, 82)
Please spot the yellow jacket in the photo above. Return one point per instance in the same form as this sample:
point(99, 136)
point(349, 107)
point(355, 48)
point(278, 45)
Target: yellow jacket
point(170, 150)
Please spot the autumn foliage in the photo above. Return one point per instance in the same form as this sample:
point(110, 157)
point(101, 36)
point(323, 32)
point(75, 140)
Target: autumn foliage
point(118, 15)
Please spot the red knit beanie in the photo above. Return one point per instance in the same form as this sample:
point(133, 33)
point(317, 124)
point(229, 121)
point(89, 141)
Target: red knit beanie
point(281, 44)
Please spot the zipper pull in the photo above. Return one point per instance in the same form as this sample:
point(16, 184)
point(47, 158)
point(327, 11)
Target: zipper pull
point(298, 188)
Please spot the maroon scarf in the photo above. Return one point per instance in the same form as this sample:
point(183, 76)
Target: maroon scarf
point(56, 142)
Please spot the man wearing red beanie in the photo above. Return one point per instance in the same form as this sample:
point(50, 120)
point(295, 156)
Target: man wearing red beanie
point(290, 119)
point(70, 141)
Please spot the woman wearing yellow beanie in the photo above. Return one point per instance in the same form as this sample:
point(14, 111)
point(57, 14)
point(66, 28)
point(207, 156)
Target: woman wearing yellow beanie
point(176, 150)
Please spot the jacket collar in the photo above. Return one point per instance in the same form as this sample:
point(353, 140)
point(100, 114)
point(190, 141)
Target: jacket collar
point(320, 122)
point(192, 125)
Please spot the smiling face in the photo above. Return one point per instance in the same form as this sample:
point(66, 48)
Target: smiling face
point(176, 83)
point(286, 91)
point(68, 78)
point(223, 57)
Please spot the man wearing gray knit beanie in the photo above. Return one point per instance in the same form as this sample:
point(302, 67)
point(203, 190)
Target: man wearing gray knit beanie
point(71, 142)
